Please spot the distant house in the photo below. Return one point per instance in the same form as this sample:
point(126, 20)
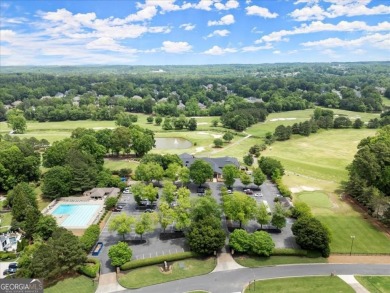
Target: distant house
point(181, 106)
point(136, 97)
point(101, 193)
point(59, 95)
point(216, 163)
point(9, 241)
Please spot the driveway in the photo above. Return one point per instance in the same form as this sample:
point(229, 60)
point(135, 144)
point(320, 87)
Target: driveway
point(3, 267)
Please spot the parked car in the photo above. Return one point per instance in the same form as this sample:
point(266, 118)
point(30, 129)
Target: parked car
point(148, 211)
point(12, 268)
point(248, 191)
point(126, 190)
point(259, 194)
point(229, 191)
point(117, 209)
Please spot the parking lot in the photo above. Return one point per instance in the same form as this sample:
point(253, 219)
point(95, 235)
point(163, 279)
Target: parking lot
point(154, 246)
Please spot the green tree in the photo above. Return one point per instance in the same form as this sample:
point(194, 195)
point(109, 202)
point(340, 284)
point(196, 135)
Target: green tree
point(192, 124)
point(229, 174)
point(248, 160)
point(261, 243)
point(165, 215)
point(16, 121)
point(169, 192)
point(269, 166)
point(149, 171)
point(300, 209)
point(245, 179)
point(200, 171)
point(110, 202)
point(262, 215)
point(358, 123)
point(90, 237)
point(239, 240)
point(311, 234)
point(184, 175)
point(182, 210)
point(119, 254)
point(228, 136)
point(214, 122)
point(258, 176)
point(167, 124)
point(158, 120)
point(278, 216)
point(20, 199)
point(123, 119)
point(206, 236)
point(57, 182)
point(121, 224)
point(218, 143)
point(203, 207)
point(239, 207)
point(172, 171)
point(45, 226)
point(146, 223)
point(150, 119)
point(142, 141)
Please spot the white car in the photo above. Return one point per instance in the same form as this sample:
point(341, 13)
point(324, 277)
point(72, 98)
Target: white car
point(258, 194)
point(126, 191)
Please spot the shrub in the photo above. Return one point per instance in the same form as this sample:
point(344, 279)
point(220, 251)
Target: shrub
point(157, 260)
point(282, 188)
point(90, 268)
point(21, 245)
point(300, 209)
point(91, 235)
point(110, 202)
point(5, 255)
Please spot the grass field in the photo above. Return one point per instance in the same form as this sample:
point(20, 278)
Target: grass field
point(260, 261)
point(79, 284)
point(152, 274)
point(345, 222)
point(375, 284)
point(6, 219)
point(301, 285)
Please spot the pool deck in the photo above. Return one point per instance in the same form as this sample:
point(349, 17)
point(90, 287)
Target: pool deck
point(82, 200)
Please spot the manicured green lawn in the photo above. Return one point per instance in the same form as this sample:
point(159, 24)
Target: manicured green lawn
point(120, 163)
point(79, 284)
point(345, 222)
point(301, 285)
point(260, 261)
point(151, 275)
point(375, 284)
point(6, 219)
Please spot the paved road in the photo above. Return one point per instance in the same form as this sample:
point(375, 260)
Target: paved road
point(235, 280)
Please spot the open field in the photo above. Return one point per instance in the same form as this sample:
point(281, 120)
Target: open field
point(260, 261)
point(344, 222)
point(151, 275)
point(78, 284)
point(375, 284)
point(301, 285)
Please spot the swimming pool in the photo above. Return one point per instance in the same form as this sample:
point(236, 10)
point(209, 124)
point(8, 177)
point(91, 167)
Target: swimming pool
point(78, 215)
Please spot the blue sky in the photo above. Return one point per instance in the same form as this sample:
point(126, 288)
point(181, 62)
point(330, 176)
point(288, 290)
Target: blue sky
point(164, 32)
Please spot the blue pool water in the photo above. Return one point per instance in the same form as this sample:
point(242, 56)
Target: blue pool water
point(78, 215)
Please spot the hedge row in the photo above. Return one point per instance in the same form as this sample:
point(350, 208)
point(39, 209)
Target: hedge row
point(91, 235)
point(157, 260)
point(4, 255)
point(90, 268)
point(282, 188)
point(289, 252)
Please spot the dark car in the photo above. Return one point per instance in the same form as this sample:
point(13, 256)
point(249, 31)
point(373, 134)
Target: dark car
point(148, 211)
point(117, 209)
point(12, 268)
point(248, 191)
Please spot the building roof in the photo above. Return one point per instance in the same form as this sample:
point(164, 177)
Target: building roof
point(216, 163)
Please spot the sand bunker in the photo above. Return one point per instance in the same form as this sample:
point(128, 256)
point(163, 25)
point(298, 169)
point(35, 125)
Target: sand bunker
point(98, 128)
point(198, 150)
point(282, 119)
point(201, 132)
point(202, 123)
point(216, 135)
point(303, 188)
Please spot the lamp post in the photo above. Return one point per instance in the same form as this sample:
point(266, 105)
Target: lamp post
point(352, 239)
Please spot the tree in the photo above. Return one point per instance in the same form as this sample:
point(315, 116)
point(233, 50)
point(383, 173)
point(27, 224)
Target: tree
point(229, 173)
point(142, 141)
point(21, 198)
point(57, 182)
point(218, 143)
point(261, 243)
point(165, 215)
point(172, 171)
point(239, 240)
point(214, 122)
point(192, 124)
point(158, 120)
point(206, 236)
point(203, 207)
point(45, 226)
point(239, 207)
point(269, 166)
point(300, 209)
point(145, 223)
point(258, 177)
point(278, 217)
point(248, 160)
point(150, 119)
point(311, 234)
point(200, 171)
point(228, 136)
point(282, 132)
point(121, 224)
point(262, 215)
point(182, 209)
point(342, 122)
point(168, 192)
point(167, 124)
point(149, 171)
point(119, 254)
point(16, 121)
point(90, 236)
point(184, 175)
point(245, 178)
point(110, 202)
point(358, 123)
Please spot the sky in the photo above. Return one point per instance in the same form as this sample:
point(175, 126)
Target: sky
point(192, 32)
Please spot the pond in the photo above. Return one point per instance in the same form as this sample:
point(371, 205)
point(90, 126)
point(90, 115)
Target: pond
point(166, 143)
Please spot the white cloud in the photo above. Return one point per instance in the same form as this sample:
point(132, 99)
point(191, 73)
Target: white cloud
point(336, 9)
point(256, 48)
point(260, 11)
point(230, 4)
point(319, 26)
point(108, 44)
point(5, 51)
point(187, 26)
point(377, 40)
point(204, 5)
point(359, 52)
point(159, 29)
point(276, 52)
point(221, 33)
point(7, 35)
point(216, 50)
point(176, 47)
point(225, 20)
point(146, 13)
